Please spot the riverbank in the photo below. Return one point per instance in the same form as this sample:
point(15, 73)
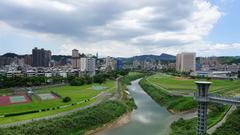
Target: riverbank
point(174, 104)
point(124, 119)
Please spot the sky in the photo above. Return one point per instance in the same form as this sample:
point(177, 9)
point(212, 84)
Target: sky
point(121, 28)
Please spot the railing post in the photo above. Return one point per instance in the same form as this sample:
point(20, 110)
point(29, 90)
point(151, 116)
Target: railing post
point(202, 98)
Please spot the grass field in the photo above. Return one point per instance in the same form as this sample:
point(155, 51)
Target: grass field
point(76, 93)
point(173, 83)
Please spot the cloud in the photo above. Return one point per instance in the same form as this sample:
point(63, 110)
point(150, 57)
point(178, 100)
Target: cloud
point(117, 28)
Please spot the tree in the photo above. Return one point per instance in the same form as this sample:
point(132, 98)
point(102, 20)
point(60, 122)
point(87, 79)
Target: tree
point(77, 82)
point(88, 79)
point(99, 78)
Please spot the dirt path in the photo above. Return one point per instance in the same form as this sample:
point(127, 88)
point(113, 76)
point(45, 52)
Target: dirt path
point(213, 129)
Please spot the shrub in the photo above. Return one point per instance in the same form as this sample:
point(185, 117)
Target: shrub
point(66, 99)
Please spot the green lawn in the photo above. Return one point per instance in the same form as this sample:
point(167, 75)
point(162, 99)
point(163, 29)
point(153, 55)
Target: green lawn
point(173, 83)
point(76, 93)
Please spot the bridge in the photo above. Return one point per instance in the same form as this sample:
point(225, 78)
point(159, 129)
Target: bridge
point(203, 98)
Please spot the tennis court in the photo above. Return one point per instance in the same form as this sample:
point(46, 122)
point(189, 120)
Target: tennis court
point(17, 99)
point(95, 87)
point(47, 96)
point(7, 100)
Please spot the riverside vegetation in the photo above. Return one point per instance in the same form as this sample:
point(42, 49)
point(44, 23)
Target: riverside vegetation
point(231, 126)
point(173, 103)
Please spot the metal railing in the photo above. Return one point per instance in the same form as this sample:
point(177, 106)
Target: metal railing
point(200, 98)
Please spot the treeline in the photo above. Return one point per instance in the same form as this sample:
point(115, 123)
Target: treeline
point(6, 82)
point(98, 78)
point(21, 81)
point(78, 122)
point(173, 103)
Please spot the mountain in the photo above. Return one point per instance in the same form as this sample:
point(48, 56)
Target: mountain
point(167, 57)
point(11, 55)
point(163, 57)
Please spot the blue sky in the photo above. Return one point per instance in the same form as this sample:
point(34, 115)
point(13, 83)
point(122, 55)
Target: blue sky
point(227, 29)
point(121, 28)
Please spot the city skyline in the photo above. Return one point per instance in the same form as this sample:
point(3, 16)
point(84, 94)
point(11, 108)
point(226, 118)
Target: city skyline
point(208, 28)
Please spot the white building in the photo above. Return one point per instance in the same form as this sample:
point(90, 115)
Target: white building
point(186, 62)
point(88, 65)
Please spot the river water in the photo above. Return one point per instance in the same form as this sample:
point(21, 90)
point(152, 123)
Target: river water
point(148, 119)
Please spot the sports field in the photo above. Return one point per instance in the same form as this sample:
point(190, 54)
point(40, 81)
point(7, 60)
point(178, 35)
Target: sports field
point(47, 96)
point(76, 93)
point(17, 99)
point(173, 83)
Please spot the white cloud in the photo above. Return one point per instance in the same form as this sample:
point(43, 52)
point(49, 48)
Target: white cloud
point(104, 48)
point(119, 27)
point(44, 4)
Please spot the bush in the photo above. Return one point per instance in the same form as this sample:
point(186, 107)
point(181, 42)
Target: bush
point(66, 99)
point(20, 113)
point(77, 82)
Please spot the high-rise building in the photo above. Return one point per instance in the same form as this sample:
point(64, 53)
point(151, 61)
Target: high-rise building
point(41, 57)
point(76, 63)
point(111, 63)
point(186, 62)
point(88, 65)
point(6, 61)
point(28, 59)
point(211, 61)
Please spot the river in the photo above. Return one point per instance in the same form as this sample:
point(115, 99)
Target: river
point(148, 119)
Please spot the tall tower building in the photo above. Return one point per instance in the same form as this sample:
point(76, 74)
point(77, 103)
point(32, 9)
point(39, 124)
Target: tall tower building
point(41, 57)
point(186, 62)
point(88, 65)
point(76, 59)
